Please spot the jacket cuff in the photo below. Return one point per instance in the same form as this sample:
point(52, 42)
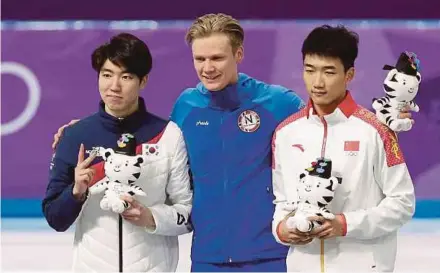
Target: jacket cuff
point(71, 200)
point(156, 216)
point(278, 234)
point(343, 221)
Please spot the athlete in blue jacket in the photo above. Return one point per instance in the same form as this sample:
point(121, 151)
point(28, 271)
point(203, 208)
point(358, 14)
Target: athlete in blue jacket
point(227, 122)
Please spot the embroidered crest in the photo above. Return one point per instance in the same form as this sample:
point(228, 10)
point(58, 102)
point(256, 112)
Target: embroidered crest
point(249, 121)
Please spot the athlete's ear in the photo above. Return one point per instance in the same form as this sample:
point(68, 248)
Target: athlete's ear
point(143, 82)
point(239, 54)
point(349, 75)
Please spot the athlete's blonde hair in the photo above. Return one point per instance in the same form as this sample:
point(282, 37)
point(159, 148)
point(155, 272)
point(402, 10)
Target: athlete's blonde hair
point(209, 24)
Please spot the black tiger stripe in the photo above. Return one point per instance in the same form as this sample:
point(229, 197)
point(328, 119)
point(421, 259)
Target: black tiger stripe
point(388, 89)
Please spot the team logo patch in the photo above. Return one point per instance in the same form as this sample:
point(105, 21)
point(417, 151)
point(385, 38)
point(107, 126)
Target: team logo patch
point(249, 121)
point(124, 139)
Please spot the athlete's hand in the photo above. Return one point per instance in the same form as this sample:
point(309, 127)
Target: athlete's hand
point(59, 133)
point(83, 174)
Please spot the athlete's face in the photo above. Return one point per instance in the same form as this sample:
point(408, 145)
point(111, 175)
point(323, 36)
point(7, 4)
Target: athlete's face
point(119, 89)
point(215, 61)
point(326, 80)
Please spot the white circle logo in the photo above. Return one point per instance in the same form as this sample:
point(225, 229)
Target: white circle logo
point(248, 121)
point(33, 102)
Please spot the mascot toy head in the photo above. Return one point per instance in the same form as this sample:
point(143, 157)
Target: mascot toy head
point(122, 164)
point(403, 79)
point(317, 186)
point(316, 190)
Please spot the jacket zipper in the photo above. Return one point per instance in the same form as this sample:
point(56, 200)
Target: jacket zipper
point(225, 176)
point(121, 264)
point(324, 144)
point(324, 139)
point(120, 251)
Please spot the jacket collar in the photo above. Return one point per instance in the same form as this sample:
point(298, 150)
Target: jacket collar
point(231, 97)
point(344, 110)
point(121, 125)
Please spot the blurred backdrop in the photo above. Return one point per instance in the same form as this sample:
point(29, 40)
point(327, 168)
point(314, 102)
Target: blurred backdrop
point(47, 78)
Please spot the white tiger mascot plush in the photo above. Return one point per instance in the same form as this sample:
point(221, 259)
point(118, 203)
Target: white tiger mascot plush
point(316, 189)
point(122, 169)
point(401, 86)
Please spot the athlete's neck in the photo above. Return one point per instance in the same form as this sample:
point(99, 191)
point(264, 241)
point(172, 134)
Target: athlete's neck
point(327, 109)
point(123, 113)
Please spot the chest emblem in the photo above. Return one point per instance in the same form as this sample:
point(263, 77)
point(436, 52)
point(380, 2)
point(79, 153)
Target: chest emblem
point(249, 121)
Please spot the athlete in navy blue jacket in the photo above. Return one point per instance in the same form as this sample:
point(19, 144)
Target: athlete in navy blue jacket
point(146, 240)
point(227, 122)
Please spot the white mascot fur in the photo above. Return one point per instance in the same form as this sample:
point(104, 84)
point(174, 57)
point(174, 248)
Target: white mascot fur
point(122, 169)
point(401, 86)
point(316, 189)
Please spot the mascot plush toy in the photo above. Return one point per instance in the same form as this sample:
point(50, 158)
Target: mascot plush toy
point(316, 190)
point(401, 86)
point(122, 168)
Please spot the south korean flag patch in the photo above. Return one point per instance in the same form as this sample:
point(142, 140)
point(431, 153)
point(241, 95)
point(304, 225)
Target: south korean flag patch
point(150, 150)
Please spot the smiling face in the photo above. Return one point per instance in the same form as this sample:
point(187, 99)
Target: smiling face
point(215, 61)
point(119, 89)
point(401, 86)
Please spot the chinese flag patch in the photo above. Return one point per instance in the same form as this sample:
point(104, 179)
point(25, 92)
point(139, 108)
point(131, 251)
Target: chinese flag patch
point(351, 146)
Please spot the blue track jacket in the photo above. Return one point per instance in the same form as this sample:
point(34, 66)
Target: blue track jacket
point(228, 136)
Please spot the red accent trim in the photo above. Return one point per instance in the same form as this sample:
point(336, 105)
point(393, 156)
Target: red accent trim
point(156, 139)
point(310, 106)
point(299, 146)
point(394, 155)
point(348, 106)
point(139, 149)
point(344, 223)
point(290, 119)
point(324, 139)
point(99, 173)
point(278, 233)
